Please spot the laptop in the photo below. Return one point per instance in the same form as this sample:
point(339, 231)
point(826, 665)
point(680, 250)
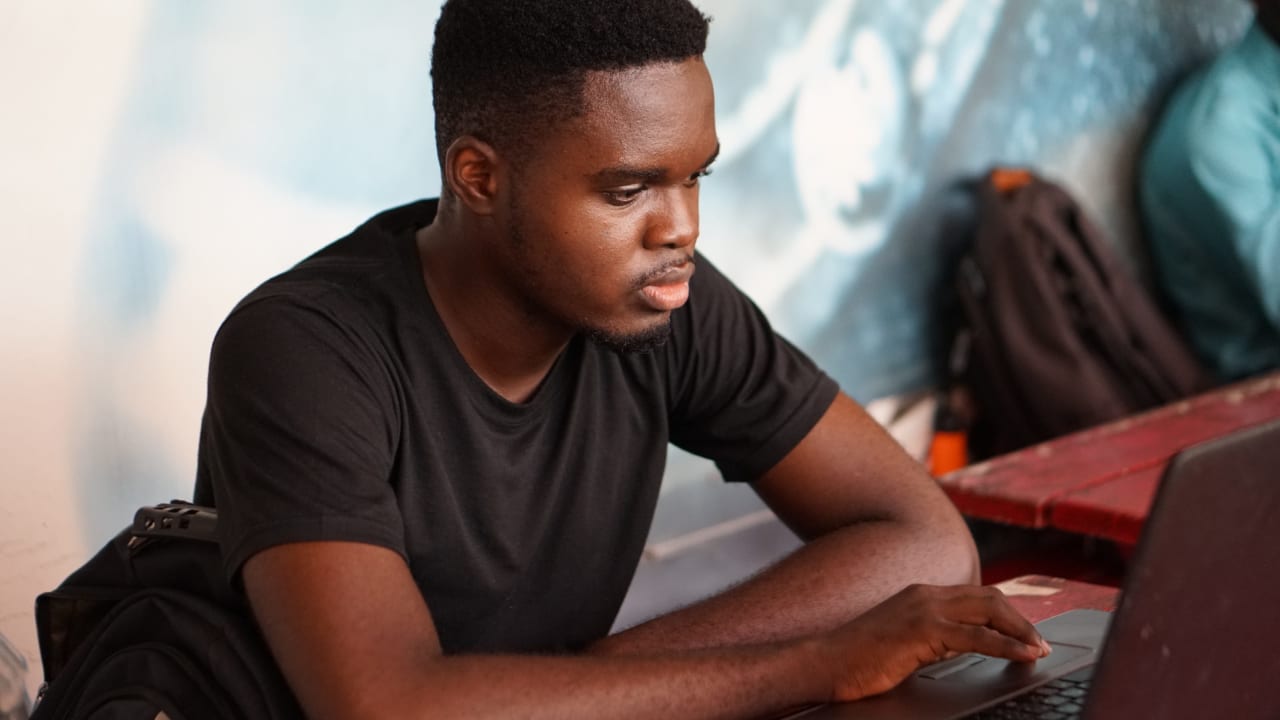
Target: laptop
point(1197, 631)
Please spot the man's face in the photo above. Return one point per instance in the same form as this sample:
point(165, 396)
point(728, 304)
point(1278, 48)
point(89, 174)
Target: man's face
point(603, 214)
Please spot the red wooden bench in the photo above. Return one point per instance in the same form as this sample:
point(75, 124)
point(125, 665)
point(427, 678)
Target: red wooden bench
point(1101, 481)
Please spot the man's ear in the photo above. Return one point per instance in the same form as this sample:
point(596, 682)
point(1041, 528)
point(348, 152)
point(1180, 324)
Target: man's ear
point(472, 170)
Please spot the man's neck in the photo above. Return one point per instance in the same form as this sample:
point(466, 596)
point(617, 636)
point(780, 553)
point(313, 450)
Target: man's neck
point(492, 329)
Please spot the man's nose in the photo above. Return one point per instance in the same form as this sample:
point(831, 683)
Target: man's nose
point(675, 224)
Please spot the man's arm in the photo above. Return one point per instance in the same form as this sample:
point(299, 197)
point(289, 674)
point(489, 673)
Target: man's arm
point(355, 639)
point(873, 520)
point(1234, 163)
point(1253, 212)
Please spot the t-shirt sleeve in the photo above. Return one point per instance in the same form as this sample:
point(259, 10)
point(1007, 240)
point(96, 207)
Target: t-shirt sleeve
point(740, 394)
point(299, 432)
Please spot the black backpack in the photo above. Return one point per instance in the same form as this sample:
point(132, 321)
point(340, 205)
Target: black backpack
point(1055, 335)
point(149, 624)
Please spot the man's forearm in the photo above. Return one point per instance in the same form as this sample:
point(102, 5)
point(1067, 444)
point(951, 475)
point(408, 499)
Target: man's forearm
point(827, 582)
point(755, 681)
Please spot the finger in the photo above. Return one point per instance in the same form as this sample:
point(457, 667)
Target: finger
point(1005, 619)
point(988, 606)
point(984, 640)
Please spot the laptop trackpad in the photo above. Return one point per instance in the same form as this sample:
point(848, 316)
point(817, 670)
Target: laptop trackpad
point(974, 668)
point(962, 683)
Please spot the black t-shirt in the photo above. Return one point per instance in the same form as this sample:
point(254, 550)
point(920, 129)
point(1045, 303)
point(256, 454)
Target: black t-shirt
point(339, 409)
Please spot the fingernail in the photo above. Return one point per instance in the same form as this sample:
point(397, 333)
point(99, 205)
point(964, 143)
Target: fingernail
point(1044, 645)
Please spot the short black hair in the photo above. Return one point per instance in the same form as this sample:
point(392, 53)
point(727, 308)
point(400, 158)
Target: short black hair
point(502, 69)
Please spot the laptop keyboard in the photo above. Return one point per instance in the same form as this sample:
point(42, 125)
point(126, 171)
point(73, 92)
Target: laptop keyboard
point(1055, 700)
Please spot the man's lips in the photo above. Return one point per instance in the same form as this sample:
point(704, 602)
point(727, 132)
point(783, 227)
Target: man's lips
point(670, 289)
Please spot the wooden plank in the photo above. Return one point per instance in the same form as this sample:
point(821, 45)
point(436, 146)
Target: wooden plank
point(1020, 488)
point(1114, 510)
point(1039, 597)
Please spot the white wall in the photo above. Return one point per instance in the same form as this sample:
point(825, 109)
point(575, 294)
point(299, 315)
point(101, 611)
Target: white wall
point(63, 73)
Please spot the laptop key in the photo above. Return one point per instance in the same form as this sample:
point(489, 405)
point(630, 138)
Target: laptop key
point(1055, 700)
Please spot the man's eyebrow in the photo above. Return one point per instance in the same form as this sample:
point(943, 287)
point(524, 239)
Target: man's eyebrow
point(628, 173)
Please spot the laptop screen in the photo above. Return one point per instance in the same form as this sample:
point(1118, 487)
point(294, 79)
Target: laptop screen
point(1197, 633)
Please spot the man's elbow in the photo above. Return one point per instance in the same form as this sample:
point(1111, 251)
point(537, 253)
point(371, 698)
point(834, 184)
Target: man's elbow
point(944, 548)
point(957, 554)
point(969, 567)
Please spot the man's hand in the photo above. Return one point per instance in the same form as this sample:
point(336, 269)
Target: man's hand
point(921, 625)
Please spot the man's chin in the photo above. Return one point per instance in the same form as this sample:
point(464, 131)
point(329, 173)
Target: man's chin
point(646, 340)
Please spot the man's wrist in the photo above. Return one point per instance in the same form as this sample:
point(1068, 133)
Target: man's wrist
point(817, 666)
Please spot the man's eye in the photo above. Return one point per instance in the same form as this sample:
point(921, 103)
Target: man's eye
point(625, 196)
point(694, 178)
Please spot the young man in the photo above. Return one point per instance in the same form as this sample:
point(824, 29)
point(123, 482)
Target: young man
point(1210, 183)
point(436, 445)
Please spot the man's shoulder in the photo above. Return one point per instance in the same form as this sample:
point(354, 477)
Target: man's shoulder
point(1227, 99)
point(1218, 121)
point(384, 243)
point(373, 264)
point(1231, 103)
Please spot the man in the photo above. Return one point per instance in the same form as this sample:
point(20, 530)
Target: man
point(436, 445)
point(1211, 201)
